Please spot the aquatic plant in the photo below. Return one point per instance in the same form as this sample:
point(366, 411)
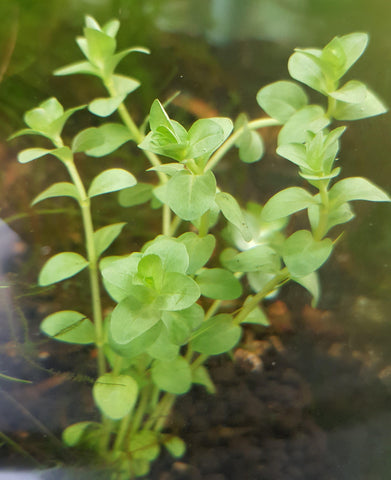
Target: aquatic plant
point(174, 305)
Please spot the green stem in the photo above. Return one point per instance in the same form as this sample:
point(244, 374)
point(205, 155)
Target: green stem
point(232, 139)
point(85, 206)
point(332, 102)
point(141, 409)
point(281, 278)
point(212, 309)
point(167, 403)
point(199, 361)
point(321, 229)
point(204, 225)
point(122, 431)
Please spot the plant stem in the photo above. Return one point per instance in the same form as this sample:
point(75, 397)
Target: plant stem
point(231, 140)
point(281, 278)
point(321, 229)
point(122, 431)
point(166, 406)
point(85, 206)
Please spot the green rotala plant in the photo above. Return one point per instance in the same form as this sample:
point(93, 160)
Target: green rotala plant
point(170, 311)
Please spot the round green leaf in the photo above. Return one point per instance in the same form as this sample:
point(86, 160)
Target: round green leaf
point(105, 236)
point(303, 255)
point(311, 118)
point(175, 445)
point(189, 195)
point(144, 445)
point(233, 213)
point(61, 266)
point(134, 315)
point(181, 323)
point(76, 433)
point(219, 284)
point(137, 195)
point(199, 249)
point(217, 335)
point(162, 348)
point(69, 326)
point(173, 376)
point(61, 189)
point(178, 292)
point(115, 395)
point(172, 253)
point(280, 100)
point(285, 203)
point(111, 180)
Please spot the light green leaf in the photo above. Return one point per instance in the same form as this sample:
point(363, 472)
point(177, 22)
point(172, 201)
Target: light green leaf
point(233, 213)
point(111, 136)
point(261, 257)
point(175, 445)
point(199, 249)
point(295, 153)
point(100, 47)
point(219, 284)
point(79, 432)
point(217, 335)
point(61, 266)
point(352, 92)
point(134, 315)
point(61, 189)
point(144, 445)
point(173, 376)
point(305, 67)
point(105, 236)
point(158, 117)
point(190, 196)
point(111, 27)
point(150, 271)
point(118, 273)
point(77, 68)
point(41, 117)
point(138, 345)
point(69, 326)
point(369, 107)
point(206, 135)
point(353, 46)
point(181, 323)
point(162, 348)
point(178, 292)
point(137, 195)
point(172, 253)
point(280, 100)
point(311, 283)
point(115, 395)
point(356, 188)
point(303, 255)
point(168, 168)
point(287, 202)
point(123, 84)
point(338, 214)
point(201, 377)
point(87, 139)
point(103, 107)
point(250, 146)
point(309, 119)
point(31, 154)
point(111, 180)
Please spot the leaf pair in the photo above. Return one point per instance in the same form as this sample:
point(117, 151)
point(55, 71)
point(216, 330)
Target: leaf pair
point(167, 137)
